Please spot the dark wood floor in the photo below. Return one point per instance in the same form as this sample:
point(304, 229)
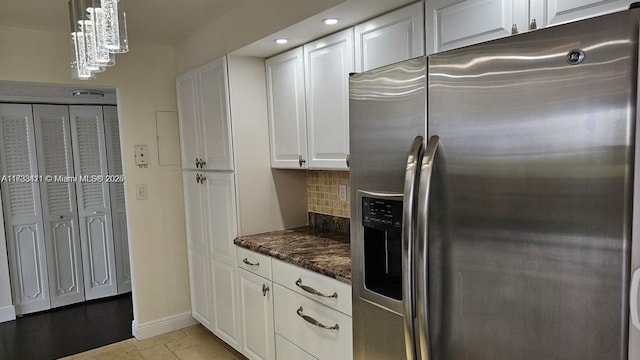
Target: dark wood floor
point(66, 331)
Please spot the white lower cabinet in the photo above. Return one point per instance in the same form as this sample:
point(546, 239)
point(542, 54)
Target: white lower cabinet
point(226, 317)
point(317, 329)
point(210, 210)
point(285, 350)
point(280, 320)
point(313, 312)
point(256, 302)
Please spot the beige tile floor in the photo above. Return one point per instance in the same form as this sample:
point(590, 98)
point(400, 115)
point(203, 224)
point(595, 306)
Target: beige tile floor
point(192, 343)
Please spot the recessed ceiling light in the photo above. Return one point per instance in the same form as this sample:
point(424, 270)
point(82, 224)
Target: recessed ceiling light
point(330, 21)
point(281, 41)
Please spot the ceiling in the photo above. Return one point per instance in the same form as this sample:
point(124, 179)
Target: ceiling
point(162, 22)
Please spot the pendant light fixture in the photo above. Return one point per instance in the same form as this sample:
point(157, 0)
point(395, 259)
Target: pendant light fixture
point(98, 32)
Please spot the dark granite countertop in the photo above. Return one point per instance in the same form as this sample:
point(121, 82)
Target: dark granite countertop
point(322, 251)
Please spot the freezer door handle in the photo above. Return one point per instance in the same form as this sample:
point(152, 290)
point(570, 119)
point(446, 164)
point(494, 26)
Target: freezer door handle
point(422, 238)
point(635, 284)
point(408, 250)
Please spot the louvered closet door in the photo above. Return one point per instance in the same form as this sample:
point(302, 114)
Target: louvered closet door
point(94, 208)
point(118, 206)
point(22, 212)
point(59, 206)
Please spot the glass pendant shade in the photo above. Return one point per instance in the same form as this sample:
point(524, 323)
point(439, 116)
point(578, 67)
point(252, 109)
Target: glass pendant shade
point(98, 31)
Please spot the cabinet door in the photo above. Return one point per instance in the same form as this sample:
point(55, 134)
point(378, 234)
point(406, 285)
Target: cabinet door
point(555, 12)
point(118, 206)
point(214, 112)
point(22, 210)
point(226, 314)
point(393, 37)
point(221, 225)
point(328, 62)
point(286, 104)
point(188, 113)
point(59, 205)
point(452, 24)
point(256, 307)
point(199, 283)
point(94, 204)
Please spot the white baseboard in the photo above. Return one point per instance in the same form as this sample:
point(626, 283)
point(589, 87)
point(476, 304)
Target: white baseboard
point(161, 326)
point(7, 313)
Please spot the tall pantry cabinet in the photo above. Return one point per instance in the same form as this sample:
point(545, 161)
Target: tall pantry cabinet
point(59, 233)
point(210, 198)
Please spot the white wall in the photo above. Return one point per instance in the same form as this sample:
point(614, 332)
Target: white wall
point(268, 199)
point(145, 79)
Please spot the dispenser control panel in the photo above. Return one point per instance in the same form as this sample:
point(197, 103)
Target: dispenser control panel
point(382, 214)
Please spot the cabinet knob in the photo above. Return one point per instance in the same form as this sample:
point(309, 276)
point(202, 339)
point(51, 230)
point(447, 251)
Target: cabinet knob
point(348, 159)
point(202, 163)
point(202, 179)
point(198, 178)
point(514, 29)
point(265, 289)
point(301, 161)
point(533, 25)
point(197, 163)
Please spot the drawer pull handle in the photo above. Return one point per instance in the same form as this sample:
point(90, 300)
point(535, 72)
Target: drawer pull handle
point(250, 263)
point(315, 322)
point(265, 289)
point(313, 291)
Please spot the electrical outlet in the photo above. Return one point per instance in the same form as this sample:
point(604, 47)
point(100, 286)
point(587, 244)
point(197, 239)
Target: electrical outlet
point(141, 192)
point(342, 192)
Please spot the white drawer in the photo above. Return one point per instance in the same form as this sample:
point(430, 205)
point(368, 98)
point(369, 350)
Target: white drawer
point(251, 261)
point(329, 344)
point(288, 351)
point(304, 282)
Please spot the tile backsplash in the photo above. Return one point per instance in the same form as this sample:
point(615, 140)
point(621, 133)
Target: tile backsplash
point(322, 192)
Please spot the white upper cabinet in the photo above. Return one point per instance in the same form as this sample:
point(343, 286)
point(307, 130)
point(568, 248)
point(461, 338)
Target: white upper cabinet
point(214, 110)
point(452, 24)
point(203, 108)
point(286, 103)
point(390, 38)
point(328, 62)
point(187, 89)
point(555, 12)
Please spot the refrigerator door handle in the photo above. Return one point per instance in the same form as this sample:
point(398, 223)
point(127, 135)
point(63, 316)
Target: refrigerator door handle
point(408, 250)
point(635, 284)
point(422, 256)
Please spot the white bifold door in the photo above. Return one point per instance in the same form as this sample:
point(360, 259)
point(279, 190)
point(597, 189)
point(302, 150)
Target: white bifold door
point(22, 212)
point(118, 207)
point(94, 205)
point(59, 206)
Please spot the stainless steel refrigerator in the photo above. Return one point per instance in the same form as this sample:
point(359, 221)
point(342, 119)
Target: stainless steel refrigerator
point(493, 199)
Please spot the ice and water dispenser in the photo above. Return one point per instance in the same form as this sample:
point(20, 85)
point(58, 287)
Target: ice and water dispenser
point(382, 235)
